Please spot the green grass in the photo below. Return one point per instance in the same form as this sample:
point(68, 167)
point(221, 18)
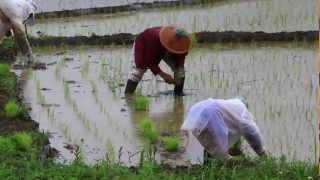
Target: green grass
point(18, 142)
point(148, 129)
point(12, 109)
point(4, 69)
point(19, 156)
point(21, 141)
point(171, 143)
point(8, 84)
point(141, 103)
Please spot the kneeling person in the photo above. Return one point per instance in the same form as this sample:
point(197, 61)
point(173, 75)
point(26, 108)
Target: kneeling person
point(219, 124)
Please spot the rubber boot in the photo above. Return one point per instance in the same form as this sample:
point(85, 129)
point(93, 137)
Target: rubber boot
point(178, 89)
point(131, 86)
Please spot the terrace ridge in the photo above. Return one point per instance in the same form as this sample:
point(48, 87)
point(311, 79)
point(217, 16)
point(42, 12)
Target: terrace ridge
point(200, 37)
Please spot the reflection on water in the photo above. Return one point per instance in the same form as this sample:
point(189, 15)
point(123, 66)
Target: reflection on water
point(267, 15)
point(83, 101)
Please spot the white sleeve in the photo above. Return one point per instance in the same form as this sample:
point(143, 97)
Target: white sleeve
point(218, 130)
point(251, 132)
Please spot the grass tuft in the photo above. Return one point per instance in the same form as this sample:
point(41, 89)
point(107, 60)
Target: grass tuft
point(141, 103)
point(22, 141)
point(18, 142)
point(12, 109)
point(171, 143)
point(4, 69)
point(6, 145)
point(148, 129)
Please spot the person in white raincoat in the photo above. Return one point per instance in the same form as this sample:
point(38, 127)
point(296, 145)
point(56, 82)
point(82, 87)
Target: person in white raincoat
point(219, 124)
point(13, 14)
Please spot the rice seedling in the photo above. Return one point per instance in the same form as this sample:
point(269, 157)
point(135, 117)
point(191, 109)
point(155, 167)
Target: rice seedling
point(93, 86)
point(12, 109)
point(141, 103)
point(171, 143)
point(148, 129)
point(40, 95)
point(66, 90)
point(58, 68)
point(85, 69)
point(110, 155)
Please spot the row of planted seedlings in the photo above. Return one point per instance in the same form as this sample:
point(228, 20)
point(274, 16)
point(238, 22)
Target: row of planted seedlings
point(51, 114)
point(90, 81)
point(111, 76)
point(269, 16)
point(111, 84)
point(67, 91)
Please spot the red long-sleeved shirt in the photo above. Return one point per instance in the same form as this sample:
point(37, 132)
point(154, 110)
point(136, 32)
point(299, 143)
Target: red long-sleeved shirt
point(149, 51)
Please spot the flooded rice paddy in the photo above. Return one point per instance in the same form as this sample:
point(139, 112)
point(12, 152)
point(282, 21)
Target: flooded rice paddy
point(79, 99)
point(60, 5)
point(268, 16)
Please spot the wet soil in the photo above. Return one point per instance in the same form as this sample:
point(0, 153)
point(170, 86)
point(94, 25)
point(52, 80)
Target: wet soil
point(11, 125)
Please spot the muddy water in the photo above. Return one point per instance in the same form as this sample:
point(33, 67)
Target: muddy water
point(79, 100)
point(59, 5)
point(268, 16)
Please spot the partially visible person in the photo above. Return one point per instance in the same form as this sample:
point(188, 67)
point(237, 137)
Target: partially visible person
point(13, 14)
point(219, 124)
point(168, 43)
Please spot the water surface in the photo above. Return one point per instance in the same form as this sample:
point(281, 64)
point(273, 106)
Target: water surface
point(268, 16)
point(83, 101)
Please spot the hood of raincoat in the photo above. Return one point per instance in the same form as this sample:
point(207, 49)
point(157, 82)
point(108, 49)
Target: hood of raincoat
point(234, 111)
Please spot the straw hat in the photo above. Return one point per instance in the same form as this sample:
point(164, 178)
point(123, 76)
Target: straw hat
point(175, 40)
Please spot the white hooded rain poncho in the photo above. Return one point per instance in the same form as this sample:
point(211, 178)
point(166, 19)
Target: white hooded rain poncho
point(218, 124)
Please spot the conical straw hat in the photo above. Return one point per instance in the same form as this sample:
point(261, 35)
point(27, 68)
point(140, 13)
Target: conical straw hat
point(175, 40)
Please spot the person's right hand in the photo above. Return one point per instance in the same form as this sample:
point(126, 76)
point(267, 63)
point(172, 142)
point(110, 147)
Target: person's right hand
point(166, 77)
